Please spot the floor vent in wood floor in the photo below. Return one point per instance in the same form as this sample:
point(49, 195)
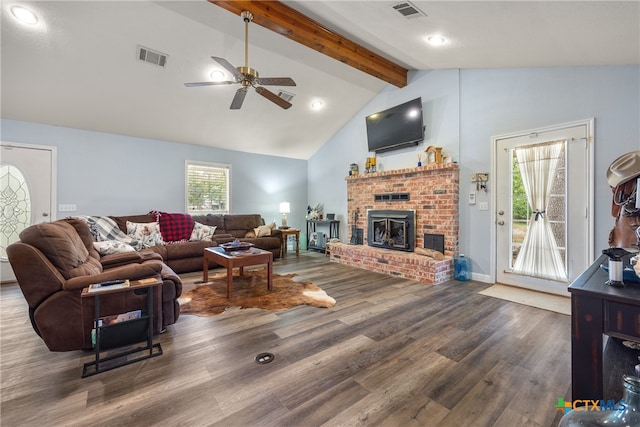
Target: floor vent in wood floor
point(264, 358)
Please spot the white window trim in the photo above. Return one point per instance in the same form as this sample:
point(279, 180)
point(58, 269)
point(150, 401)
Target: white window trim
point(208, 164)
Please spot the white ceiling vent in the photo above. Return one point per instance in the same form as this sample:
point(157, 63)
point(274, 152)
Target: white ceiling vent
point(152, 56)
point(286, 95)
point(408, 10)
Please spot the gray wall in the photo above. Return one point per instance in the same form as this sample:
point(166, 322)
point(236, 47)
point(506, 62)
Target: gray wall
point(465, 108)
point(108, 174)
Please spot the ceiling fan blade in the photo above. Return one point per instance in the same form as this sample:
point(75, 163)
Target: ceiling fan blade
point(273, 97)
point(238, 99)
point(195, 84)
point(230, 68)
point(276, 81)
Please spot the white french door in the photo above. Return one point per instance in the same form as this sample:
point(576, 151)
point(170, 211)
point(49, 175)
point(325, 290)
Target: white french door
point(567, 214)
point(27, 194)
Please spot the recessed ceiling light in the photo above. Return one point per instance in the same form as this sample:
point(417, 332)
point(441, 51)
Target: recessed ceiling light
point(436, 40)
point(24, 15)
point(317, 104)
point(217, 75)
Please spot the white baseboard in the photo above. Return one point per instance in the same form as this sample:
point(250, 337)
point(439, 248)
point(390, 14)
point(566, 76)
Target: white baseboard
point(481, 277)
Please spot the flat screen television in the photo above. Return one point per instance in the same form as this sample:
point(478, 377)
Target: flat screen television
point(397, 127)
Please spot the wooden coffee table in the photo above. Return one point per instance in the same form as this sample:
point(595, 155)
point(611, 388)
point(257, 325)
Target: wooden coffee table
point(236, 259)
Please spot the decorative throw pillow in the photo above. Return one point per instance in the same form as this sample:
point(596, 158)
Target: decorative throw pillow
point(174, 227)
point(263, 230)
point(202, 232)
point(108, 247)
point(147, 233)
point(250, 234)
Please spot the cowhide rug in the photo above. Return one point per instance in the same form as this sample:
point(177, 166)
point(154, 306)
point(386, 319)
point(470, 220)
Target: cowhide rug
point(249, 291)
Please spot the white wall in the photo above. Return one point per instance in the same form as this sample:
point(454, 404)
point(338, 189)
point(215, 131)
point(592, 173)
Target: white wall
point(466, 108)
point(109, 174)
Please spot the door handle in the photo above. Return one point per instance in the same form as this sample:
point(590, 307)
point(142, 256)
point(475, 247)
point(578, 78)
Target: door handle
point(500, 212)
point(45, 214)
point(500, 222)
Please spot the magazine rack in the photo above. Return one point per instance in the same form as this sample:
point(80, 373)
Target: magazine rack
point(123, 334)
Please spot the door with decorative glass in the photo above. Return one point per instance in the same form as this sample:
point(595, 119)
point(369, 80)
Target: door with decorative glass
point(543, 212)
point(26, 194)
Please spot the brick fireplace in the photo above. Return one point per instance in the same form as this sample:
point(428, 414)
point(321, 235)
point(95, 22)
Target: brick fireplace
point(431, 192)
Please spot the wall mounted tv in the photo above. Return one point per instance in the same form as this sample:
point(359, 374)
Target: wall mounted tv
point(397, 127)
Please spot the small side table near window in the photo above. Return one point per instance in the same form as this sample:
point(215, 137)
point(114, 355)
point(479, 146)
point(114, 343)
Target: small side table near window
point(286, 232)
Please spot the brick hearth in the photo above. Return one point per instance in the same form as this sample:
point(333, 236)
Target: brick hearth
point(433, 195)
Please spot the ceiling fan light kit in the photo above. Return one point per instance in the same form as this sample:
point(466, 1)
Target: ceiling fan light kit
point(247, 76)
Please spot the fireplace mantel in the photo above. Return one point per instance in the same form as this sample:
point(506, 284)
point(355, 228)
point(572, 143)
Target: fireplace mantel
point(429, 169)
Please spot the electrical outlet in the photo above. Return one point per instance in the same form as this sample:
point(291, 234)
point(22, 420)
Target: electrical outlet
point(67, 208)
point(472, 198)
point(484, 206)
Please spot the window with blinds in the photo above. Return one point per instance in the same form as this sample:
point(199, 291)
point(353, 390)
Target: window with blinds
point(207, 188)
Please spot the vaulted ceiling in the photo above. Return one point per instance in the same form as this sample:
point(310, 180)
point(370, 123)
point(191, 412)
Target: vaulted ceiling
point(78, 66)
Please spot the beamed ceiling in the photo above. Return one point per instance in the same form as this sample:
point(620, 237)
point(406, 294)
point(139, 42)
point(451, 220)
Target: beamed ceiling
point(77, 67)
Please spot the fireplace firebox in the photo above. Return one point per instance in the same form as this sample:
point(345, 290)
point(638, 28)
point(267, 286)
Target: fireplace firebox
point(391, 229)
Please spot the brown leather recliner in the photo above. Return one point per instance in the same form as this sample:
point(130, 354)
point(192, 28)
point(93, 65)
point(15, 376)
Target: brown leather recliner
point(54, 261)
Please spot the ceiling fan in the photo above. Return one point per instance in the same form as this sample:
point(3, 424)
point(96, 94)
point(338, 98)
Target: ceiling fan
point(248, 77)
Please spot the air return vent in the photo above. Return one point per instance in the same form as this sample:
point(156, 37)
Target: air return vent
point(286, 95)
point(152, 56)
point(391, 197)
point(408, 10)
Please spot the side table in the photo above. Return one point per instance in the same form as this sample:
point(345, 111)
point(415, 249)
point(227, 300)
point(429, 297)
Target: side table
point(285, 234)
point(124, 333)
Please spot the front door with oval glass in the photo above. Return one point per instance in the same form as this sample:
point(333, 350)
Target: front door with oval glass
point(26, 194)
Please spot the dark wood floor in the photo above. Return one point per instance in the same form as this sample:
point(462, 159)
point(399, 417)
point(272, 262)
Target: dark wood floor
point(392, 352)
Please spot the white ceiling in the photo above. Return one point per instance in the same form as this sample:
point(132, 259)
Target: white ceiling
point(77, 67)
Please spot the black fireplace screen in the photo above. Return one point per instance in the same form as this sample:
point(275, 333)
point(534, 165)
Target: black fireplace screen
point(391, 230)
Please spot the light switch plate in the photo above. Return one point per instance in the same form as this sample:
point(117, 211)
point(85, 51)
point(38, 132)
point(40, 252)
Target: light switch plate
point(472, 198)
point(67, 208)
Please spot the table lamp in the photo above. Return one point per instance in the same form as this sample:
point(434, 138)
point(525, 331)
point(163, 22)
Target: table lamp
point(285, 208)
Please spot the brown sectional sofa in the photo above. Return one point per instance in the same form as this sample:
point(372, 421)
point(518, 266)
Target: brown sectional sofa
point(185, 257)
point(54, 261)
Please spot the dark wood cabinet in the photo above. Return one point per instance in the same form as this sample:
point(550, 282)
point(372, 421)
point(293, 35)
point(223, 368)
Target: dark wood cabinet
point(598, 309)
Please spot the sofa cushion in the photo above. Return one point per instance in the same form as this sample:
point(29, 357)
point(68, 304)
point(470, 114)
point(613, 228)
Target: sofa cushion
point(188, 249)
point(109, 247)
point(239, 225)
point(263, 230)
point(86, 235)
point(202, 232)
point(148, 233)
point(61, 244)
point(174, 227)
point(211, 219)
point(121, 221)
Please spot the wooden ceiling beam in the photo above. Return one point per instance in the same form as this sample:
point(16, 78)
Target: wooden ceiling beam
point(284, 20)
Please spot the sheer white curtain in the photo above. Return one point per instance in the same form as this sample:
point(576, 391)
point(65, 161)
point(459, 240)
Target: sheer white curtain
point(539, 255)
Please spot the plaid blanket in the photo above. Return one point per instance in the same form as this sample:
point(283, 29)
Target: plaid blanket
point(174, 227)
point(104, 228)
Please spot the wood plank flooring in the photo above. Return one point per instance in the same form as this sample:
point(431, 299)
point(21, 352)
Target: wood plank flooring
point(392, 352)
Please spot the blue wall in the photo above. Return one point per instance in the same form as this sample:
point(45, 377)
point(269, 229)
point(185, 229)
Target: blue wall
point(108, 174)
point(465, 108)
point(114, 174)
